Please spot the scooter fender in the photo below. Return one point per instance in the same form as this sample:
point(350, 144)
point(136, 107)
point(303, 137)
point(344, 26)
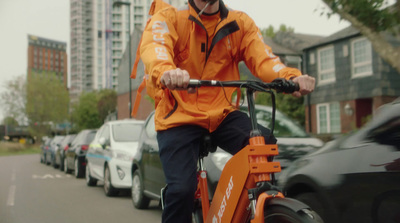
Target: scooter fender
point(293, 204)
point(271, 198)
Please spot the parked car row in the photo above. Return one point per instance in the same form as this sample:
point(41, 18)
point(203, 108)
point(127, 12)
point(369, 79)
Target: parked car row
point(103, 154)
point(67, 152)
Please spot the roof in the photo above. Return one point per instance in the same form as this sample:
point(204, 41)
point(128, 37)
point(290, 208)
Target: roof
point(296, 41)
point(279, 49)
point(342, 34)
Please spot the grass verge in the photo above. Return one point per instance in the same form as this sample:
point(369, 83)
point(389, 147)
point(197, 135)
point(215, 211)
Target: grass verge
point(15, 148)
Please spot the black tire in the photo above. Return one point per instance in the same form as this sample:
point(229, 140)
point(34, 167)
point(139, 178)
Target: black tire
point(66, 169)
point(90, 181)
point(41, 158)
point(282, 214)
point(139, 199)
point(53, 162)
point(45, 160)
point(314, 202)
point(109, 190)
point(61, 163)
point(79, 173)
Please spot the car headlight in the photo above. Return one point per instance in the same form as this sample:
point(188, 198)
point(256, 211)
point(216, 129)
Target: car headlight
point(121, 173)
point(220, 159)
point(121, 156)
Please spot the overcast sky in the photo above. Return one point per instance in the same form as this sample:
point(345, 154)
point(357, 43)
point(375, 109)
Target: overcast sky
point(50, 19)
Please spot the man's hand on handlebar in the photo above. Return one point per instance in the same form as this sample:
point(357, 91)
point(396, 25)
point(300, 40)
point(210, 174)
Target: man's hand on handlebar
point(176, 79)
point(306, 84)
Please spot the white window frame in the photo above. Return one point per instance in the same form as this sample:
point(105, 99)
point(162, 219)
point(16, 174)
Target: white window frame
point(355, 65)
point(328, 118)
point(331, 70)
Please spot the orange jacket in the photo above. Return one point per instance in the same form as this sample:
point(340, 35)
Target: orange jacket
point(208, 56)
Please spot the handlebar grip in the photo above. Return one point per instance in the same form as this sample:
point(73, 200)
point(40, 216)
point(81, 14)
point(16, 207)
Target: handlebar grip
point(198, 83)
point(194, 83)
point(286, 86)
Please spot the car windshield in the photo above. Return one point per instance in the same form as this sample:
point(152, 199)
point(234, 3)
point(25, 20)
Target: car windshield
point(90, 136)
point(284, 126)
point(126, 132)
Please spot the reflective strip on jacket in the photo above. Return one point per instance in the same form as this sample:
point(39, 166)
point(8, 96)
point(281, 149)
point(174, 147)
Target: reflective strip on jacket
point(208, 56)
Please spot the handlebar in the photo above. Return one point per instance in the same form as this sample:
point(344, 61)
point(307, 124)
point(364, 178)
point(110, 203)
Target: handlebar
point(279, 84)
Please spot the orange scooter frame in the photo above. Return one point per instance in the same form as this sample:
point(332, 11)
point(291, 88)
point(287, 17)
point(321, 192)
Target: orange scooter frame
point(244, 190)
point(241, 173)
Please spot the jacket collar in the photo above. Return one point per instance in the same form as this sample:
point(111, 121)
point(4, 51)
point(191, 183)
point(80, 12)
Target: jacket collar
point(222, 9)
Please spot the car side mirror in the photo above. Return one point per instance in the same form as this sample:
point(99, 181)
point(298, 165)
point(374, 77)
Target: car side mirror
point(103, 142)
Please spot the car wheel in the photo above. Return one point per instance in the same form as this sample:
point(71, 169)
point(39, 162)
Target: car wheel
point(108, 187)
point(139, 199)
point(90, 181)
point(312, 200)
point(61, 163)
point(53, 162)
point(78, 169)
point(66, 169)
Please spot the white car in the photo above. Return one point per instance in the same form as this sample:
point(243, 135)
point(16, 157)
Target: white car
point(109, 157)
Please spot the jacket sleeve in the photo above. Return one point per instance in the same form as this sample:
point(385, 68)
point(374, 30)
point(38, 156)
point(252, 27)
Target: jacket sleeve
point(157, 46)
point(258, 56)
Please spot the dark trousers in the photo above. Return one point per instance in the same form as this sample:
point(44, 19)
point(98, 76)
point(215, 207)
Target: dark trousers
point(179, 149)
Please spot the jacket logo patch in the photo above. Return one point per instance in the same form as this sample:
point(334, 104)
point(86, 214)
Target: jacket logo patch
point(159, 28)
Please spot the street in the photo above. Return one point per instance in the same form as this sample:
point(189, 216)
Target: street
point(33, 192)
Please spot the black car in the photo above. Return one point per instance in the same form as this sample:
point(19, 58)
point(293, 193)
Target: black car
point(75, 155)
point(147, 173)
point(355, 178)
point(59, 153)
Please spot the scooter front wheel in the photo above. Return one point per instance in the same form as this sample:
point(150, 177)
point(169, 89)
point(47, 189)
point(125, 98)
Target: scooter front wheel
point(282, 214)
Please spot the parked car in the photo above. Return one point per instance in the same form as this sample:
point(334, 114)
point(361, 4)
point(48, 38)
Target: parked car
point(59, 154)
point(355, 178)
point(75, 155)
point(43, 149)
point(54, 145)
point(148, 176)
point(109, 158)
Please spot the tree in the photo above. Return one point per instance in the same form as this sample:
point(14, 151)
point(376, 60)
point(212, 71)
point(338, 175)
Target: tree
point(107, 103)
point(47, 103)
point(374, 19)
point(270, 31)
point(13, 100)
point(85, 114)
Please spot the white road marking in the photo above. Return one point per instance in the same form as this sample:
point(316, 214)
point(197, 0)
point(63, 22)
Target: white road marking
point(11, 195)
point(50, 176)
point(13, 177)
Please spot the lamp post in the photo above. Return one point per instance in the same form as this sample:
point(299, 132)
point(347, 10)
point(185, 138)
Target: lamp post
point(118, 3)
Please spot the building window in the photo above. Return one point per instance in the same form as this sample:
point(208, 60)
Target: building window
point(361, 57)
point(328, 115)
point(312, 58)
point(326, 65)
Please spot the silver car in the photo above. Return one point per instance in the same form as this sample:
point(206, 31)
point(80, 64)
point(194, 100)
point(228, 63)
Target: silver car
point(109, 158)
